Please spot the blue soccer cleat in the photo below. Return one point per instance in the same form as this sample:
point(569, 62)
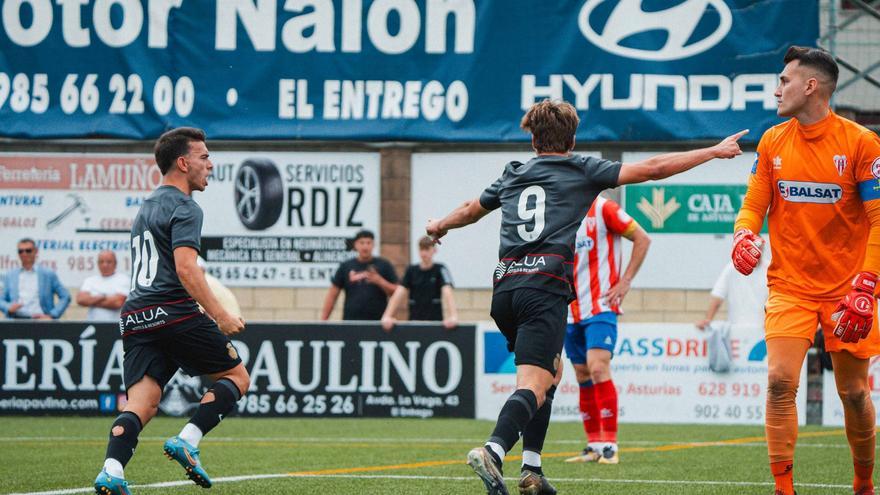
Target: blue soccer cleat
point(187, 456)
point(110, 485)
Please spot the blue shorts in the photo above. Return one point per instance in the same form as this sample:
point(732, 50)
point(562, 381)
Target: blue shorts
point(597, 332)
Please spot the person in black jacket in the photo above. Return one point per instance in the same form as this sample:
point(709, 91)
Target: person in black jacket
point(428, 286)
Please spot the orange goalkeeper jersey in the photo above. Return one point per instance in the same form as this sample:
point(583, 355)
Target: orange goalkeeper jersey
point(821, 184)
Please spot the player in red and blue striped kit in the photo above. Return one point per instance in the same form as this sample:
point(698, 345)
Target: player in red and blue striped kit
point(592, 319)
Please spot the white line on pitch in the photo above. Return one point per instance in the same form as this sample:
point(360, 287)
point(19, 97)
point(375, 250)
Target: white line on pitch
point(319, 440)
point(232, 479)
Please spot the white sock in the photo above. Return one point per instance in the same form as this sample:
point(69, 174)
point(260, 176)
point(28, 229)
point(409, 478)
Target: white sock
point(596, 446)
point(531, 458)
point(191, 434)
point(113, 468)
point(499, 451)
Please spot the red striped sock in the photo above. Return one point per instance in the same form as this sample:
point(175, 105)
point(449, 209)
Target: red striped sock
point(606, 397)
point(590, 412)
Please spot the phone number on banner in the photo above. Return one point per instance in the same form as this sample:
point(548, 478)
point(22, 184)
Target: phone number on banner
point(281, 274)
point(86, 92)
point(289, 405)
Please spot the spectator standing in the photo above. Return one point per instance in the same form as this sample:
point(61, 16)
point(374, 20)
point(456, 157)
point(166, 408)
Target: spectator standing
point(367, 281)
point(104, 294)
point(428, 286)
point(745, 296)
point(30, 292)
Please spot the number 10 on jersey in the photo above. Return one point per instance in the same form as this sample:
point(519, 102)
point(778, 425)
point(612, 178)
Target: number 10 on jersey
point(146, 260)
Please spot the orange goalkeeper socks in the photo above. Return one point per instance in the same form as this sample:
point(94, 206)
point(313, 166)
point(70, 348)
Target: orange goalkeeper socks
point(782, 474)
point(863, 479)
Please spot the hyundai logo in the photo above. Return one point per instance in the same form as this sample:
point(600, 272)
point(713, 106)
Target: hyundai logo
point(680, 22)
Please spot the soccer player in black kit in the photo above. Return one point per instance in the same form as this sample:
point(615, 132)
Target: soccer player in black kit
point(542, 204)
point(162, 328)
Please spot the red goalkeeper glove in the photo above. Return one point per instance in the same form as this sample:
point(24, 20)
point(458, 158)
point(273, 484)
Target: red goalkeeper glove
point(746, 251)
point(855, 313)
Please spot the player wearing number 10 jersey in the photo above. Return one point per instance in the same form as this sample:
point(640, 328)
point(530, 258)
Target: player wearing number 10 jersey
point(542, 204)
point(162, 328)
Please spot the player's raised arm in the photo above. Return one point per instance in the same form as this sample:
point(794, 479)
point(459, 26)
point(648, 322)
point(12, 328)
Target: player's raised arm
point(746, 243)
point(669, 164)
point(469, 212)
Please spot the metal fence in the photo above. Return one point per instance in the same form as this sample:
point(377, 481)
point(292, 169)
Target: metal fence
point(851, 31)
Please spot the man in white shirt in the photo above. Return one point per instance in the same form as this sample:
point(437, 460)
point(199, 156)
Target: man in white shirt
point(745, 297)
point(104, 294)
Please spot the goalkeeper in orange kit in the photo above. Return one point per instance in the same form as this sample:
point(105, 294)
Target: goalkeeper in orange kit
point(817, 178)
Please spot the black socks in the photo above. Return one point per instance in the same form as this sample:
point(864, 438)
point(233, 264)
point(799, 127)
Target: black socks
point(514, 416)
point(123, 437)
point(536, 431)
point(209, 414)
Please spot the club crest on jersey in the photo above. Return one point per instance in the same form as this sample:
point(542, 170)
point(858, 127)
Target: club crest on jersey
point(875, 168)
point(839, 163)
point(809, 192)
point(591, 223)
point(777, 162)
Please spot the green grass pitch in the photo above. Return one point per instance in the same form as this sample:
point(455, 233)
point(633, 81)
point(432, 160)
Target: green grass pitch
point(399, 456)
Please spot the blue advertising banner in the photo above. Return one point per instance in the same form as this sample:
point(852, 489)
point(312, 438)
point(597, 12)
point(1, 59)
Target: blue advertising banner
point(441, 70)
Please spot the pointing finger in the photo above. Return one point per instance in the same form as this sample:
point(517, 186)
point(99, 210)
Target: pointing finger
point(739, 134)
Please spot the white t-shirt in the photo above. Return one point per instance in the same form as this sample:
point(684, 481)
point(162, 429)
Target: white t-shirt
point(108, 286)
point(745, 295)
point(29, 293)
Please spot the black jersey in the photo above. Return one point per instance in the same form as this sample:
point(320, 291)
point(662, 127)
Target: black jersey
point(542, 204)
point(363, 300)
point(167, 220)
point(426, 291)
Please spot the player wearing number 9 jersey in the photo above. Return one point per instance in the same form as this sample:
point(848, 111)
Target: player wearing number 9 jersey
point(817, 179)
point(162, 328)
point(542, 202)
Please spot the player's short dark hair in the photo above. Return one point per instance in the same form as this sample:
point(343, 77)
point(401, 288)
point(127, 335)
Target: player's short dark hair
point(27, 240)
point(173, 144)
point(361, 234)
point(425, 242)
point(552, 124)
point(364, 234)
point(815, 58)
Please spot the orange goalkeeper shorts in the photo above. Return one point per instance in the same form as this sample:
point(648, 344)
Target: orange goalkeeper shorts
point(791, 316)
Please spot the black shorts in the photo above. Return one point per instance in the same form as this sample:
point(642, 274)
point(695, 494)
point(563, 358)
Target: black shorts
point(196, 346)
point(533, 321)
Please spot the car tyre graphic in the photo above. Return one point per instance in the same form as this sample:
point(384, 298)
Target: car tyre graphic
point(259, 193)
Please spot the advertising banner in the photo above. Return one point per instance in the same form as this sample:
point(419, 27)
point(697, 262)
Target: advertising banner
point(832, 410)
point(297, 370)
point(685, 208)
point(270, 219)
point(393, 69)
point(689, 213)
point(662, 375)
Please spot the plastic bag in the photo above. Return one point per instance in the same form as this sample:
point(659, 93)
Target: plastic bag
point(719, 347)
